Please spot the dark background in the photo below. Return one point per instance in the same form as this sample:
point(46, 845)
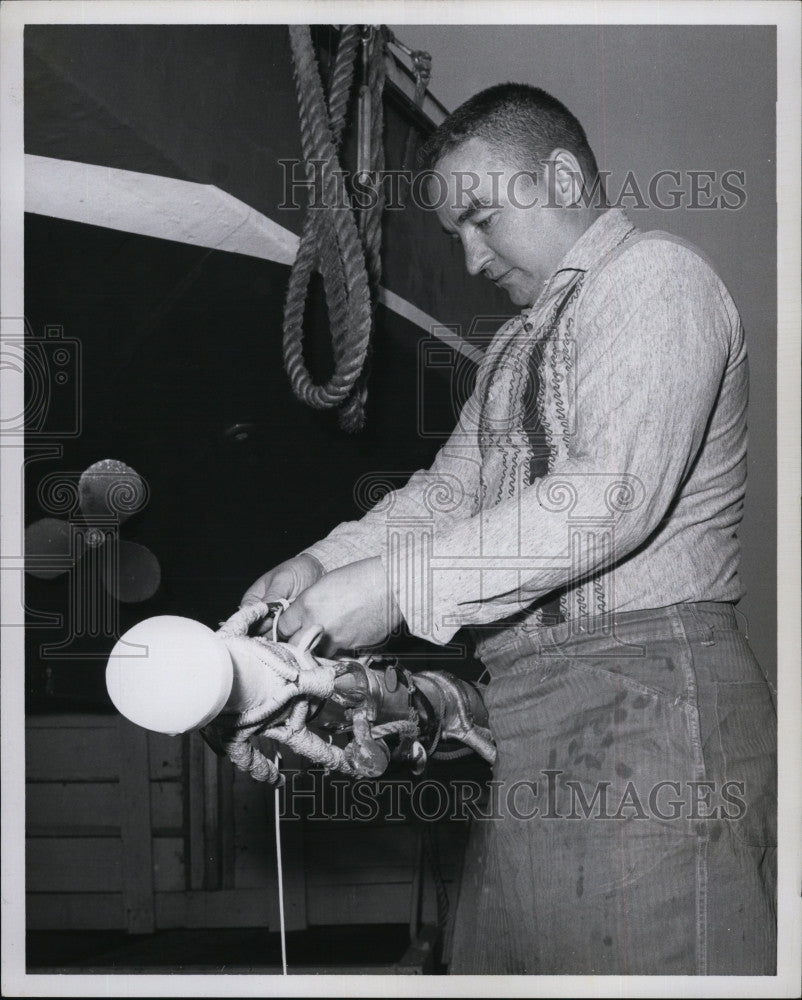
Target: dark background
point(181, 344)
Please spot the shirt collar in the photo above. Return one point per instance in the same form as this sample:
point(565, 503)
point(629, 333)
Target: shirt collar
point(592, 246)
point(597, 241)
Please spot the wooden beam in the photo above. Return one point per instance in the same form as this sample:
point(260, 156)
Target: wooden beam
point(193, 796)
point(166, 753)
point(227, 845)
point(137, 853)
point(211, 820)
point(72, 720)
point(166, 809)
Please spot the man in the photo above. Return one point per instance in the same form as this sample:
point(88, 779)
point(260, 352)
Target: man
point(581, 520)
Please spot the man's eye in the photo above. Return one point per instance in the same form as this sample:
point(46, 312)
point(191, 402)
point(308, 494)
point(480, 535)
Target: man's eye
point(486, 222)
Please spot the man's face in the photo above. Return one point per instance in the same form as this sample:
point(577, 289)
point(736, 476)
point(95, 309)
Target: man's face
point(489, 208)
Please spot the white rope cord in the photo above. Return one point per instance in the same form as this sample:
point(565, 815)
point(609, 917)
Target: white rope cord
point(279, 864)
point(284, 605)
point(399, 727)
point(241, 621)
point(280, 870)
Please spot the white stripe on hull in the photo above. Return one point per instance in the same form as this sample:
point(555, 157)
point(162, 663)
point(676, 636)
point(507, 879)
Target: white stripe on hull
point(185, 212)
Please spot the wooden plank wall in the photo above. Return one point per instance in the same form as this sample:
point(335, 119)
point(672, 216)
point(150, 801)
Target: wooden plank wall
point(104, 822)
point(138, 831)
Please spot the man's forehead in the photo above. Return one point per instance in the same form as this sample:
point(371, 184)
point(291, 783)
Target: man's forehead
point(474, 172)
point(472, 149)
point(483, 156)
point(467, 182)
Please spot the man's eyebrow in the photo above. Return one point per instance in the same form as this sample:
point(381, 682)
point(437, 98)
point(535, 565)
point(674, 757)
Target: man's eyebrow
point(470, 211)
point(476, 205)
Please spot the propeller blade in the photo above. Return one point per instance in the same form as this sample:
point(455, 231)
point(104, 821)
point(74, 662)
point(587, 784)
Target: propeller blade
point(49, 548)
point(138, 574)
point(110, 488)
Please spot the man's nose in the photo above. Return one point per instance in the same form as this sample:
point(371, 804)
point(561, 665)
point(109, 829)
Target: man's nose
point(477, 254)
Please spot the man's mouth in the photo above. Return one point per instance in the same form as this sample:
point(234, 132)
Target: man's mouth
point(497, 280)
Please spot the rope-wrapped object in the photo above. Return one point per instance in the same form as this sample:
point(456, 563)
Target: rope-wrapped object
point(286, 687)
point(235, 688)
point(279, 688)
point(330, 240)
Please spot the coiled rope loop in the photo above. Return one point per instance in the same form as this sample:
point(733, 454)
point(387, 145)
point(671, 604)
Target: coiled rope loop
point(330, 241)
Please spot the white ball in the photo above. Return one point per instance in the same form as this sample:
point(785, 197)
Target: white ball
point(169, 674)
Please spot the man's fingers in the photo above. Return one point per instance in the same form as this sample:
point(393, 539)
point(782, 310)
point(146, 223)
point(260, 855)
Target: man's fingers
point(285, 581)
point(251, 595)
point(280, 586)
point(258, 589)
point(326, 647)
point(290, 620)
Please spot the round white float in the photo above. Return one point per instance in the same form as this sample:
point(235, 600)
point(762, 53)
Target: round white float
point(169, 674)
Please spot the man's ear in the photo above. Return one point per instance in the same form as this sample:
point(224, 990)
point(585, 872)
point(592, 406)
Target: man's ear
point(565, 178)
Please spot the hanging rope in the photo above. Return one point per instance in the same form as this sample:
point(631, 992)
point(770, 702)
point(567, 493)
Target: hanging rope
point(330, 240)
point(430, 848)
point(370, 218)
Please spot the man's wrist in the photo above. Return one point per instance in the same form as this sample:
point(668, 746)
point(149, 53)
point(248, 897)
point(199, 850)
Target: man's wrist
point(314, 563)
point(395, 615)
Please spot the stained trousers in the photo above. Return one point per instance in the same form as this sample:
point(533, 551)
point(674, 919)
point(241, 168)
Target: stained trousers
point(632, 818)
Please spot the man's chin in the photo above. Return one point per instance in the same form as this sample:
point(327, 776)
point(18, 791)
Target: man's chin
point(519, 297)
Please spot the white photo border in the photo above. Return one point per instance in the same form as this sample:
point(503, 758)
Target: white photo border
point(787, 16)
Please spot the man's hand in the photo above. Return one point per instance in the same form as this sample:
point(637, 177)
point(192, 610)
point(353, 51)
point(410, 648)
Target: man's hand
point(353, 604)
point(287, 580)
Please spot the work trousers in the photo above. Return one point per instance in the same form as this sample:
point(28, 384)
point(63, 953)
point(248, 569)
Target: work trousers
point(630, 826)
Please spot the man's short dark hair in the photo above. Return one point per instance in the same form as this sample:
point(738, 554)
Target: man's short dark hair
point(513, 118)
